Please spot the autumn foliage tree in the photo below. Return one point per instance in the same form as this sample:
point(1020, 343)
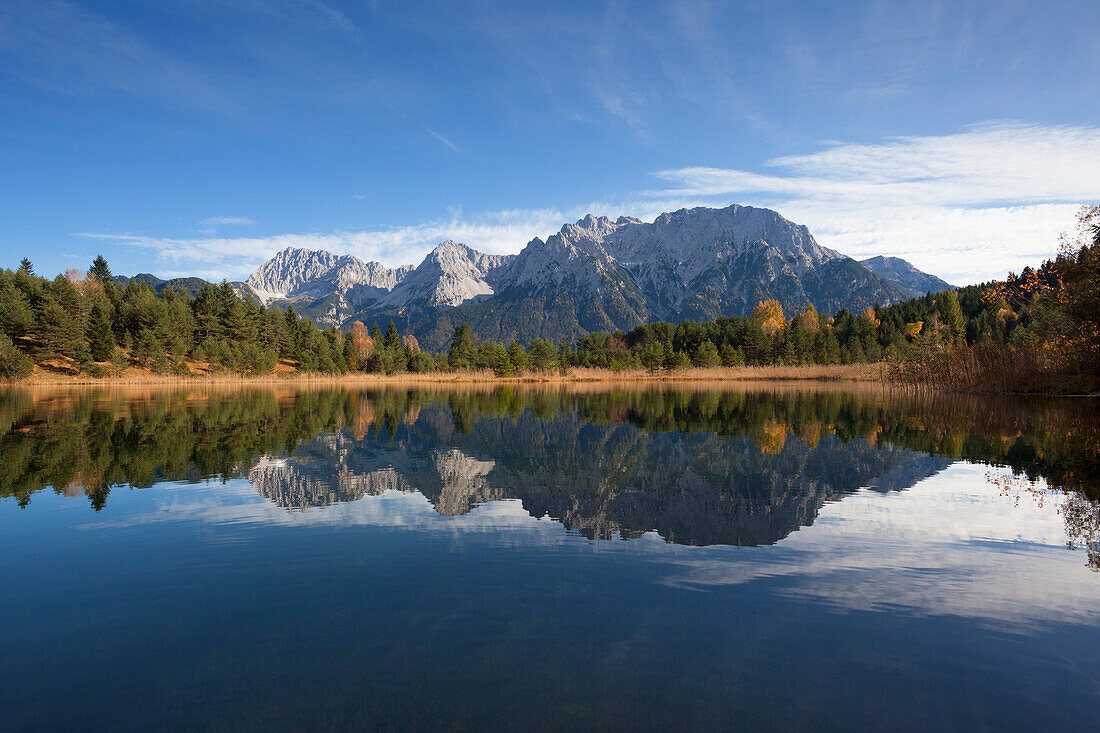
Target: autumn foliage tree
point(769, 314)
point(362, 344)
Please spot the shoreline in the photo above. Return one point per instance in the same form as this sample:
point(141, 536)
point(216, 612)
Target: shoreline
point(858, 373)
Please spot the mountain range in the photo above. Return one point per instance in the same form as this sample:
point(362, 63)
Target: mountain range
point(600, 480)
point(594, 274)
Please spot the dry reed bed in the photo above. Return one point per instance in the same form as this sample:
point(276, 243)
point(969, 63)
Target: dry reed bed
point(845, 372)
point(988, 368)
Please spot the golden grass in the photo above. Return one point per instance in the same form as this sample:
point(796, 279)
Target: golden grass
point(988, 368)
point(815, 372)
point(829, 373)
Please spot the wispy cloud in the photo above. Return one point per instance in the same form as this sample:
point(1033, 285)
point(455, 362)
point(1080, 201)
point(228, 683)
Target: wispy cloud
point(443, 140)
point(967, 207)
point(216, 221)
point(333, 17)
point(282, 53)
point(236, 257)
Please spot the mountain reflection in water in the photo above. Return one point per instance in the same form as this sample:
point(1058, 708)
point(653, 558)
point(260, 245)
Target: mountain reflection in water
point(699, 467)
point(548, 559)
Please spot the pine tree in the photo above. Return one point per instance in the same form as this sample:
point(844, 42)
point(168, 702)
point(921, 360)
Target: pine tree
point(16, 316)
point(392, 341)
point(14, 364)
point(566, 356)
point(463, 350)
point(541, 356)
point(503, 366)
point(948, 305)
point(706, 356)
point(204, 310)
point(294, 337)
point(517, 356)
point(60, 333)
point(101, 340)
point(351, 356)
point(101, 272)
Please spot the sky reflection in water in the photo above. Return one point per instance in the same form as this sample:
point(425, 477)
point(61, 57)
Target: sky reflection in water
point(414, 559)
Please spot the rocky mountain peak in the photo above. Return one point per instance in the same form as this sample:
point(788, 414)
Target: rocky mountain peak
point(902, 272)
point(295, 272)
point(595, 273)
point(590, 227)
point(451, 274)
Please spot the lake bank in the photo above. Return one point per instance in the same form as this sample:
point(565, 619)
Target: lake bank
point(816, 373)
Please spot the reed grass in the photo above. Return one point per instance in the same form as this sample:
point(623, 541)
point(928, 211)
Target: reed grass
point(835, 372)
point(989, 368)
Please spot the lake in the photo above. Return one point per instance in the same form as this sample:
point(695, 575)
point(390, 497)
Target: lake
point(546, 558)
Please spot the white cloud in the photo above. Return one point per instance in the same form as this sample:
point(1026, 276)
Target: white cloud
point(236, 257)
point(990, 558)
point(216, 221)
point(967, 207)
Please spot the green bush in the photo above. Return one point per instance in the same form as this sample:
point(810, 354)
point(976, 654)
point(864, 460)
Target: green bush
point(14, 364)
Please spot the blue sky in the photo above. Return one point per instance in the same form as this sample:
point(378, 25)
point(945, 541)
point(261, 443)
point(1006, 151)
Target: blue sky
point(200, 137)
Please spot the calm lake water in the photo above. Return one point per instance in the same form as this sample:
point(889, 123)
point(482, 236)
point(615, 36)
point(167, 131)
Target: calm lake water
point(526, 559)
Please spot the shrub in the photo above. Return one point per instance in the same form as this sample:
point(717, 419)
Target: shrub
point(14, 364)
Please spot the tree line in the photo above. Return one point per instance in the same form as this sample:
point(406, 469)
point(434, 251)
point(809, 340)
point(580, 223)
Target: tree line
point(89, 322)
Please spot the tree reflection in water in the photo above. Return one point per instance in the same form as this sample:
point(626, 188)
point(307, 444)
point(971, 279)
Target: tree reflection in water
point(699, 466)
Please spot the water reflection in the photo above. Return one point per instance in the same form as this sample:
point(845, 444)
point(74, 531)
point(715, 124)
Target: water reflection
point(699, 467)
point(384, 559)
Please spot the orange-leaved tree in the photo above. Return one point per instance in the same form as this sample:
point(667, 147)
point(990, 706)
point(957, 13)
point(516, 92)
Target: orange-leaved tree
point(362, 342)
point(769, 314)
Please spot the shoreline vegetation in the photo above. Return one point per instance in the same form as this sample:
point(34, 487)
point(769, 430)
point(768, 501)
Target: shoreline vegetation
point(819, 373)
point(1037, 332)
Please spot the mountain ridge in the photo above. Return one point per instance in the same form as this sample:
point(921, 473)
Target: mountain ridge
point(592, 274)
point(906, 275)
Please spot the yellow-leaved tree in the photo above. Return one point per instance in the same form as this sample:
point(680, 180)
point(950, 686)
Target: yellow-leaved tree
point(769, 314)
point(808, 320)
point(362, 342)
